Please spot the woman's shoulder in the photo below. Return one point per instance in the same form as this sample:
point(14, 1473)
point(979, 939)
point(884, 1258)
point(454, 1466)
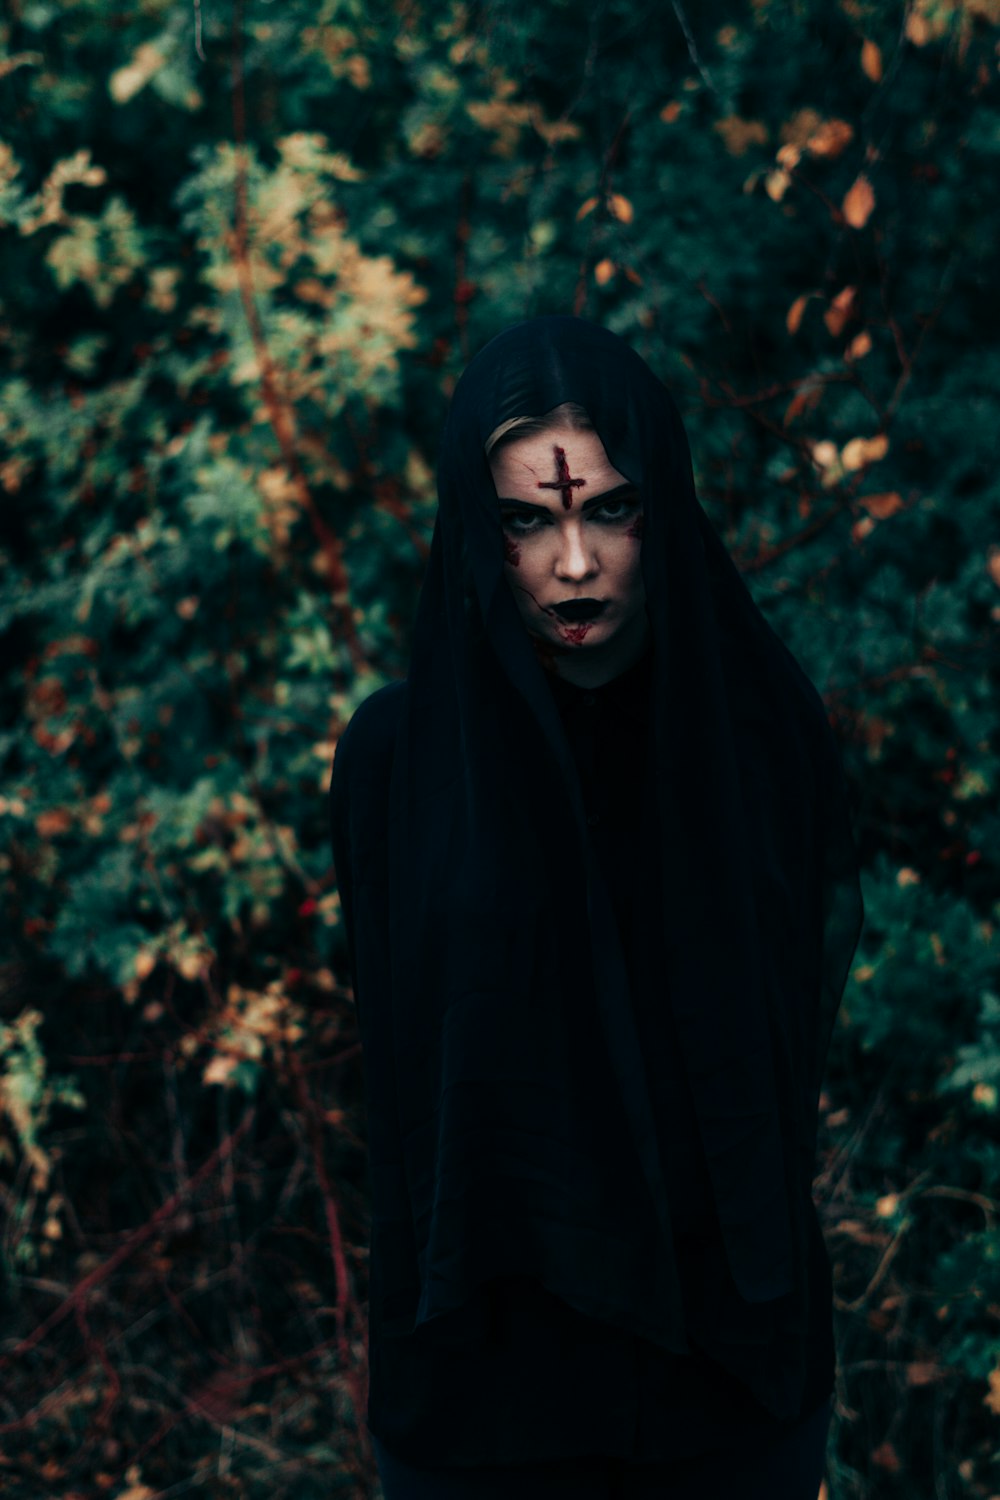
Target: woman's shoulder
point(364, 749)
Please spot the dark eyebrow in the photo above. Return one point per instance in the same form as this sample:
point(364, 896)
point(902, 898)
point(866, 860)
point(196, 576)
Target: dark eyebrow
point(621, 489)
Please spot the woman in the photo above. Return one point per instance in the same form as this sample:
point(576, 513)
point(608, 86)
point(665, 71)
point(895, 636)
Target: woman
point(601, 898)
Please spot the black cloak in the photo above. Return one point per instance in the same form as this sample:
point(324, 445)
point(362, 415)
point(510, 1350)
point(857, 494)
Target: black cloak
point(513, 1129)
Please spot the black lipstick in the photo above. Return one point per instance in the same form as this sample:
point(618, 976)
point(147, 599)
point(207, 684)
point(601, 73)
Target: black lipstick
point(579, 609)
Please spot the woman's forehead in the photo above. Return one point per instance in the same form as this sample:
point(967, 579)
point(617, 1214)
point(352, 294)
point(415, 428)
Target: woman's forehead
point(553, 459)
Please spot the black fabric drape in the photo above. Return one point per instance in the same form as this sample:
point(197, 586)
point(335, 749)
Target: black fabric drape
point(519, 1132)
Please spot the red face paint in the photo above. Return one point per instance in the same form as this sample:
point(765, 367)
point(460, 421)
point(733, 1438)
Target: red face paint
point(636, 527)
point(572, 635)
point(563, 481)
point(511, 552)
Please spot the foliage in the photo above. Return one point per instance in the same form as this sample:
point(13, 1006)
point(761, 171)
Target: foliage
point(246, 251)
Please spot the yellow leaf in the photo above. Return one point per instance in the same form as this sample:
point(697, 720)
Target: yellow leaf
point(776, 184)
point(553, 131)
point(603, 271)
point(126, 82)
point(189, 965)
point(871, 61)
point(825, 453)
point(859, 346)
point(620, 208)
point(859, 202)
point(789, 155)
point(145, 963)
point(886, 1206)
point(506, 120)
point(861, 451)
point(219, 1069)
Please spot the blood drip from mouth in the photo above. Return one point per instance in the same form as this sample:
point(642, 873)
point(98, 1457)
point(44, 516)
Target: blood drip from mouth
point(575, 635)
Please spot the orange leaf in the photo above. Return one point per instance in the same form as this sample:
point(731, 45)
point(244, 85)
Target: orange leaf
point(794, 315)
point(53, 820)
point(829, 138)
point(588, 206)
point(881, 506)
point(840, 311)
point(805, 399)
point(620, 208)
point(917, 29)
point(871, 61)
point(886, 1457)
point(739, 134)
point(603, 271)
point(859, 202)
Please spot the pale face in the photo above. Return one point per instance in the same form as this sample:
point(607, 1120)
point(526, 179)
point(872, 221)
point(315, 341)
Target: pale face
point(572, 532)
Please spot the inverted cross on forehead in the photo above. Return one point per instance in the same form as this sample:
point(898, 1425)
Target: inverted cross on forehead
point(563, 481)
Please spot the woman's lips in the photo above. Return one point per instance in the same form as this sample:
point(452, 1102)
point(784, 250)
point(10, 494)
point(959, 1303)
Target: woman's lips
point(579, 609)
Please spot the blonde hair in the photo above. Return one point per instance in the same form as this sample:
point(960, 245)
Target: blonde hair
point(568, 414)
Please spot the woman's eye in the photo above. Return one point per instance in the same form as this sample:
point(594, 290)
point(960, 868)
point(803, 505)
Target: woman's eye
point(518, 522)
point(612, 512)
point(626, 508)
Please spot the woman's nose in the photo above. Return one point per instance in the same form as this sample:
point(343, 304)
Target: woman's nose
point(575, 559)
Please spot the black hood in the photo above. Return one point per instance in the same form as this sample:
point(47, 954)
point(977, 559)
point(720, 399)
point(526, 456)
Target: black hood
point(527, 1129)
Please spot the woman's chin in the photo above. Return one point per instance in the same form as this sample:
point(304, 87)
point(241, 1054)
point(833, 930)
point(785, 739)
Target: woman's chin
point(576, 635)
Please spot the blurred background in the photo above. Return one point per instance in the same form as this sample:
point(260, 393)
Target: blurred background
point(246, 248)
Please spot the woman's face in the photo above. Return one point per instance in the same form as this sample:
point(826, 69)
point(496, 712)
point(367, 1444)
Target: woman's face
point(572, 532)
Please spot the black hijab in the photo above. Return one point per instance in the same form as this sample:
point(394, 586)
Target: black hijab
point(528, 1132)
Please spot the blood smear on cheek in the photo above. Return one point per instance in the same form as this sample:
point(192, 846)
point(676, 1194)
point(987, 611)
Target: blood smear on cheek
point(636, 527)
point(511, 552)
